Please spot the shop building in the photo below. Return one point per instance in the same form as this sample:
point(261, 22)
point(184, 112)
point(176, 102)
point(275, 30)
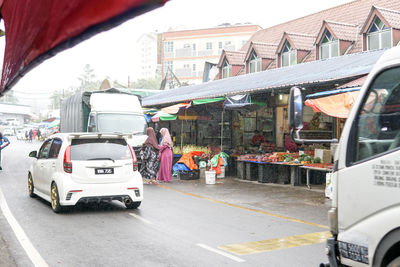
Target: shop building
point(324, 51)
point(185, 52)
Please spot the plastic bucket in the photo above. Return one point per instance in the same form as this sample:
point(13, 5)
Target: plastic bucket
point(222, 174)
point(210, 177)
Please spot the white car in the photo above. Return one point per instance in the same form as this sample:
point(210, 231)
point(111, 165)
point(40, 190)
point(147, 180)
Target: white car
point(8, 132)
point(85, 167)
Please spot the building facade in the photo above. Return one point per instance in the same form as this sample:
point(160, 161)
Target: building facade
point(148, 66)
point(353, 27)
point(184, 53)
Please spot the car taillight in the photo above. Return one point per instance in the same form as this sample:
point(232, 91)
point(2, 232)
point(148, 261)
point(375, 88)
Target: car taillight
point(135, 163)
point(67, 164)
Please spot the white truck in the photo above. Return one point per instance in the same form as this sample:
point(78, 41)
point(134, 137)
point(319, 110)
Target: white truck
point(107, 111)
point(365, 214)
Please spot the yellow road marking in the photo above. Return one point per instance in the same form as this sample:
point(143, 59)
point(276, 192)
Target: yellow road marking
point(277, 243)
point(245, 208)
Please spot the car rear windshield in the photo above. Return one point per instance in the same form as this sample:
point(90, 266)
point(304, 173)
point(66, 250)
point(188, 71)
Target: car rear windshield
point(100, 149)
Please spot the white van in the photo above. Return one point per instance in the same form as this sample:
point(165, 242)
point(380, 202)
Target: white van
point(365, 214)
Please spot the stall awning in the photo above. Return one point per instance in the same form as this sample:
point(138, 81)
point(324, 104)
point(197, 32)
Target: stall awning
point(36, 30)
point(330, 71)
point(338, 102)
point(336, 105)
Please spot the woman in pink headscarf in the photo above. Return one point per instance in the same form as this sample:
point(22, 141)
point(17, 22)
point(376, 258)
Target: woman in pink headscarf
point(165, 174)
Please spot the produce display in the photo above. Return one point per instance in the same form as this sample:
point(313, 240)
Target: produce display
point(306, 159)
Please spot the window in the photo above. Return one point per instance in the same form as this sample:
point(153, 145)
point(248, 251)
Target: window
point(194, 67)
point(329, 46)
point(226, 70)
point(254, 62)
point(209, 46)
point(186, 66)
point(44, 150)
point(377, 128)
point(378, 36)
point(220, 45)
point(55, 148)
point(186, 46)
point(168, 65)
point(194, 46)
point(100, 149)
point(289, 55)
point(168, 47)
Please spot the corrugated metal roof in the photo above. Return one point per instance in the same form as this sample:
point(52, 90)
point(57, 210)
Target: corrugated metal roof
point(337, 68)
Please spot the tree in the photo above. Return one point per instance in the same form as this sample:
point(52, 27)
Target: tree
point(153, 83)
point(87, 79)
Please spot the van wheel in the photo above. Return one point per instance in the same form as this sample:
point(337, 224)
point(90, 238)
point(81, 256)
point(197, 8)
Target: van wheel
point(55, 199)
point(394, 263)
point(133, 205)
point(30, 186)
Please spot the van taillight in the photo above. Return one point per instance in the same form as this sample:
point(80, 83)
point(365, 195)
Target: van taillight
point(67, 164)
point(135, 163)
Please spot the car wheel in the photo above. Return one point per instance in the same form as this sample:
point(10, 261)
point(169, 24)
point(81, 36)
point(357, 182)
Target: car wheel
point(55, 199)
point(30, 186)
point(133, 205)
point(395, 262)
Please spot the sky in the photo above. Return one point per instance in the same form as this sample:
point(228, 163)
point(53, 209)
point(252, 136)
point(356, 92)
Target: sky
point(110, 54)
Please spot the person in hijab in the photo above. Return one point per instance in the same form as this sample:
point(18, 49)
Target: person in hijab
point(165, 173)
point(149, 154)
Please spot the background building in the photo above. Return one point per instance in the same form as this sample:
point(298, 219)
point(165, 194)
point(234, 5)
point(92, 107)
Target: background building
point(147, 57)
point(185, 52)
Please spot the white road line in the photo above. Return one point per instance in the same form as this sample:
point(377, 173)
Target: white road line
point(140, 218)
point(30, 250)
point(221, 253)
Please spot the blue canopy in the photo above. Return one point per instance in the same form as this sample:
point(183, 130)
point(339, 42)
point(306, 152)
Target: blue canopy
point(333, 92)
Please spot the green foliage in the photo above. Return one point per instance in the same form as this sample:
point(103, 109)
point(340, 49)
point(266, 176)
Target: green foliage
point(147, 83)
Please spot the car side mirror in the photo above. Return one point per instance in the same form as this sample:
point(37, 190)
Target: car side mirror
point(295, 108)
point(33, 154)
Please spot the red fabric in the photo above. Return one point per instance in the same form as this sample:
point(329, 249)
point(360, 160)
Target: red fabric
point(258, 138)
point(33, 27)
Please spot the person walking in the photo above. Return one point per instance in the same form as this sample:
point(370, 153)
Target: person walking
point(3, 143)
point(39, 135)
point(30, 135)
point(149, 154)
point(164, 173)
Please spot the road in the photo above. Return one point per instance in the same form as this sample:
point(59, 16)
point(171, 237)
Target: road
point(184, 223)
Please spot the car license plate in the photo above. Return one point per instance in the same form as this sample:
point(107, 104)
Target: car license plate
point(104, 171)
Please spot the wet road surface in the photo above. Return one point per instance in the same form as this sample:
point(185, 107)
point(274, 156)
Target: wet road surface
point(183, 223)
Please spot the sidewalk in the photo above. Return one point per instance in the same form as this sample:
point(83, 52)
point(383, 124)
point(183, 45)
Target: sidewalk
point(293, 201)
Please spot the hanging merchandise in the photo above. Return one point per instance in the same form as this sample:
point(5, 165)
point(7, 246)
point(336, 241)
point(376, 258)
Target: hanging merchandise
point(237, 101)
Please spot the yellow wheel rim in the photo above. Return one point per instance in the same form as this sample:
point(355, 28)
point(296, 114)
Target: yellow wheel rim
point(30, 184)
point(54, 197)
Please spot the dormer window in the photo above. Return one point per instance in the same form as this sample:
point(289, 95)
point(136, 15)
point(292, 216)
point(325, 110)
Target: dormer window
point(254, 63)
point(378, 35)
point(329, 46)
point(289, 55)
point(226, 70)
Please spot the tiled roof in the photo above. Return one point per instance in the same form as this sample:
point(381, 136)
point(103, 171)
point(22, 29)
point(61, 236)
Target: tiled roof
point(391, 16)
point(301, 41)
point(264, 50)
point(343, 31)
point(330, 71)
point(355, 83)
point(355, 13)
point(235, 57)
